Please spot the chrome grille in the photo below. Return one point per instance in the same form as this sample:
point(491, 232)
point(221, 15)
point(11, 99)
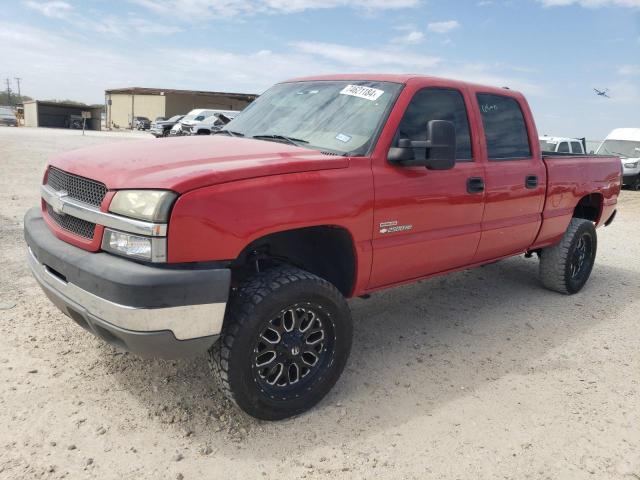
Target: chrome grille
point(79, 188)
point(74, 225)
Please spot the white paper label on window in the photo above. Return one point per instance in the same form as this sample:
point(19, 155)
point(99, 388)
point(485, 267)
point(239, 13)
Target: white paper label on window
point(359, 91)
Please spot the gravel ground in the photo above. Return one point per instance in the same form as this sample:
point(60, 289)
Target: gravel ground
point(480, 374)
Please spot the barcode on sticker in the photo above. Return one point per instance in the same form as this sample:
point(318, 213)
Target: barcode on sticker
point(367, 93)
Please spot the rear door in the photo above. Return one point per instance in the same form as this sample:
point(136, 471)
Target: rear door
point(515, 177)
point(427, 221)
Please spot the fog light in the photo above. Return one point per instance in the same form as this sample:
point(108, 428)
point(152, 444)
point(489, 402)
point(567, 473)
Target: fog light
point(135, 246)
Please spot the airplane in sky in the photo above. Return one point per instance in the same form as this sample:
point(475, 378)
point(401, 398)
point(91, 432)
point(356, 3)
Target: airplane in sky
point(602, 93)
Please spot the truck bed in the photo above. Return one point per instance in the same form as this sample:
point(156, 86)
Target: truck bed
point(571, 177)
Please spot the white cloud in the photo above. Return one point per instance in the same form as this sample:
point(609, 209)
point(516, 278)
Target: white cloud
point(52, 9)
point(629, 70)
point(412, 37)
point(592, 3)
point(376, 58)
point(195, 10)
point(443, 27)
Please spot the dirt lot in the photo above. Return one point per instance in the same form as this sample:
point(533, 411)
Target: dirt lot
point(481, 374)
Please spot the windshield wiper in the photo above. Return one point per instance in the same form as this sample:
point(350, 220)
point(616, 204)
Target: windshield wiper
point(231, 133)
point(290, 140)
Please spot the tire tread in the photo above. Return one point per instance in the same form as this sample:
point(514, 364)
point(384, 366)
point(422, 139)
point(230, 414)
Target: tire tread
point(240, 309)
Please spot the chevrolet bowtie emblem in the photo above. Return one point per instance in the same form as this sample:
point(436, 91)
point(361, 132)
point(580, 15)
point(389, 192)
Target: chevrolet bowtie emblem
point(57, 203)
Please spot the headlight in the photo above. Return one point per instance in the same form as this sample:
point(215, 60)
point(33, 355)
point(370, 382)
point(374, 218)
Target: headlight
point(135, 246)
point(150, 205)
point(631, 165)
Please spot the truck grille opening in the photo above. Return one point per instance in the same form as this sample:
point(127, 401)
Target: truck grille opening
point(77, 226)
point(79, 188)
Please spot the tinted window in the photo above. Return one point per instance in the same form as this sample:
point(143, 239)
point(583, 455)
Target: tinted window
point(564, 147)
point(504, 127)
point(576, 147)
point(437, 104)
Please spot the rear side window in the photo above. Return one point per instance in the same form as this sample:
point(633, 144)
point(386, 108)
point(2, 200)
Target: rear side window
point(437, 104)
point(576, 147)
point(504, 127)
point(564, 147)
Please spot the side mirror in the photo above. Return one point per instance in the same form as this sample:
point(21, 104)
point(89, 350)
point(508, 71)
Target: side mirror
point(440, 148)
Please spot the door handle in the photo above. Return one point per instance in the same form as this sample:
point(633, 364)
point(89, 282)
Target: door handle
point(475, 185)
point(531, 181)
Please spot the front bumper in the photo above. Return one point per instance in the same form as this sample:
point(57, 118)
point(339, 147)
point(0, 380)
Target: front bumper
point(630, 178)
point(152, 311)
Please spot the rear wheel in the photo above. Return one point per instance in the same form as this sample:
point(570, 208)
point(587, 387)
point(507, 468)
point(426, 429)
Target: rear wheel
point(566, 267)
point(284, 344)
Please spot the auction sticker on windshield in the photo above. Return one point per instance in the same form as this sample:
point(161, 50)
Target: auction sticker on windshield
point(367, 93)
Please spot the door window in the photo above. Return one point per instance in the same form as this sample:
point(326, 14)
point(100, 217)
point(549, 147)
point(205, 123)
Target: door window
point(437, 104)
point(504, 127)
point(564, 147)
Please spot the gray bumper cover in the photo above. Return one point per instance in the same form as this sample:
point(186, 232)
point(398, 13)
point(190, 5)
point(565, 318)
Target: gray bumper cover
point(152, 311)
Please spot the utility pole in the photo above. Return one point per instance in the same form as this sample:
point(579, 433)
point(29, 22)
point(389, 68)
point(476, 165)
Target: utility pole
point(17, 79)
point(9, 92)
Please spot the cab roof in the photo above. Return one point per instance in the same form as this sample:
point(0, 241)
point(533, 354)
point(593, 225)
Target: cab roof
point(403, 78)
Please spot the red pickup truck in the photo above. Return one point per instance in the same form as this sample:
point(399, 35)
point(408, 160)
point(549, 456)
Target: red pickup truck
point(246, 244)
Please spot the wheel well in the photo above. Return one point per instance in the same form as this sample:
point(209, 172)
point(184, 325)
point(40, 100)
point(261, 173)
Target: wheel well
point(326, 251)
point(589, 207)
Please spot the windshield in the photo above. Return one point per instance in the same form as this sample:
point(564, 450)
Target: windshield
point(548, 146)
point(175, 118)
point(621, 148)
point(337, 116)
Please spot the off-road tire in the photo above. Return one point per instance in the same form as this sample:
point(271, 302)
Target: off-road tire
point(258, 300)
point(556, 261)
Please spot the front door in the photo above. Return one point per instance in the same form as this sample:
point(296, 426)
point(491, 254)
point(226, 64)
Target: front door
point(427, 221)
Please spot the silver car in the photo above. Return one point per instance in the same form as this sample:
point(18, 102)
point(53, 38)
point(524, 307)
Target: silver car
point(8, 118)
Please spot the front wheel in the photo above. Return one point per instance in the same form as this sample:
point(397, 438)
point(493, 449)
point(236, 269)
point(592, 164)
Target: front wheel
point(566, 267)
point(285, 341)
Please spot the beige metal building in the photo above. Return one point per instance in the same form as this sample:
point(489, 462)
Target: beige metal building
point(125, 103)
point(60, 115)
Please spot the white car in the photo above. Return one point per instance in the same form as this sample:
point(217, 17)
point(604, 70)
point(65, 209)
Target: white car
point(561, 145)
point(213, 123)
point(190, 119)
point(625, 143)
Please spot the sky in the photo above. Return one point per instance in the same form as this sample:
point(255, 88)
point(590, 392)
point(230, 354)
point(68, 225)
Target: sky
point(554, 51)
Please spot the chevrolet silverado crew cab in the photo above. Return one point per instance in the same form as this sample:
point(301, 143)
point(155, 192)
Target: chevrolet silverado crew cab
point(245, 244)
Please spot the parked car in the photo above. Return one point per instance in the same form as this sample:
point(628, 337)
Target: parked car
point(8, 118)
point(141, 123)
point(190, 119)
point(246, 246)
point(562, 145)
point(76, 122)
point(625, 143)
point(211, 124)
point(163, 127)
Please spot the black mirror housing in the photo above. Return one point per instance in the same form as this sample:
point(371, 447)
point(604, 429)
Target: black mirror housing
point(441, 145)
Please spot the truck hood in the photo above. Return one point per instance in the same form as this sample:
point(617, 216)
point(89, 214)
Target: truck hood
point(186, 163)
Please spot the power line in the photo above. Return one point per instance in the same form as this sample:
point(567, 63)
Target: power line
point(9, 92)
point(17, 79)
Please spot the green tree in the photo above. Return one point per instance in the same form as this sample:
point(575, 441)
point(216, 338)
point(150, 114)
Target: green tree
point(15, 98)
